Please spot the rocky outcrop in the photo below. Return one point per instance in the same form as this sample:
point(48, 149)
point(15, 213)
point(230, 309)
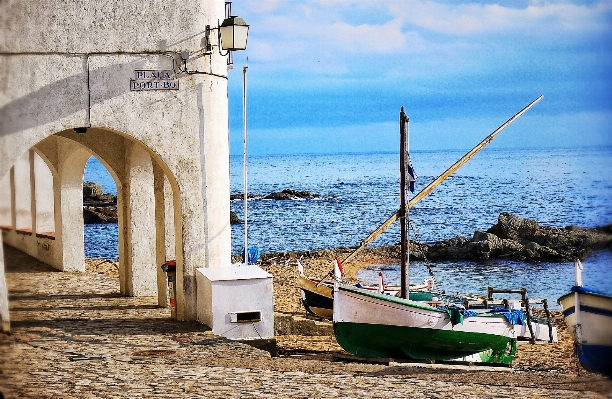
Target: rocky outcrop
point(240, 196)
point(234, 219)
point(102, 208)
point(97, 206)
point(288, 194)
point(91, 189)
point(521, 239)
point(100, 214)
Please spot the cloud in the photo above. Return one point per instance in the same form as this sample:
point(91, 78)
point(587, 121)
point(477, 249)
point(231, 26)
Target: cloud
point(472, 18)
point(385, 38)
point(330, 63)
point(262, 6)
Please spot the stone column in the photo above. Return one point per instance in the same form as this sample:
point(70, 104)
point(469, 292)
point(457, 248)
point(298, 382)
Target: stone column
point(22, 192)
point(6, 202)
point(123, 213)
point(43, 196)
point(190, 246)
point(69, 205)
point(214, 136)
point(32, 171)
point(12, 187)
point(160, 235)
point(142, 274)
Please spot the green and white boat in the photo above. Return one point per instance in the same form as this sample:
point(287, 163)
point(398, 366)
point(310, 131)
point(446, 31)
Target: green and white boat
point(376, 325)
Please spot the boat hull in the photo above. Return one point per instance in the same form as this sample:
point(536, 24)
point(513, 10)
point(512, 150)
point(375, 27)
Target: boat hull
point(373, 325)
point(595, 348)
point(318, 298)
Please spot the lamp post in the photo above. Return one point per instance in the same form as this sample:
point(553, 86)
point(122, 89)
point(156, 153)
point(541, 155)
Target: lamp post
point(233, 33)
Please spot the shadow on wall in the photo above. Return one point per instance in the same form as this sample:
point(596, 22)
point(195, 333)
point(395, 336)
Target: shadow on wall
point(17, 114)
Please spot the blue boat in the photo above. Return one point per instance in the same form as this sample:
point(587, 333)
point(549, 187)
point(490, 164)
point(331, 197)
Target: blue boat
point(588, 315)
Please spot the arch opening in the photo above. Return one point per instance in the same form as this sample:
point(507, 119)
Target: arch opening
point(101, 234)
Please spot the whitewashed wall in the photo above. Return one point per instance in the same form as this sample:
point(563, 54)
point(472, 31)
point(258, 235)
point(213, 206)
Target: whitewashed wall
point(69, 64)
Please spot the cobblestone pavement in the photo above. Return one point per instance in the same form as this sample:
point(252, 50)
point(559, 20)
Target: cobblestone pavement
point(73, 336)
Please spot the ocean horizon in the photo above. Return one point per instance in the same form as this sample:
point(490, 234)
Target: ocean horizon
point(356, 192)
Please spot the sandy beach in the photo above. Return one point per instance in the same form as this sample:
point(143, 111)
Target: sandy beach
point(73, 336)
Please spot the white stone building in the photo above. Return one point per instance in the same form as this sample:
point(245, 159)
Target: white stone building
point(131, 83)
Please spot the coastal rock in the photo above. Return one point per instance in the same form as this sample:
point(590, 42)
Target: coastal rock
point(513, 227)
point(91, 189)
point(288, 194)
point(240, 196)
point(97, 206)
point(234, 219)
point(522, 239)
point(571, 239)
point(605, 229)
point(103, 214)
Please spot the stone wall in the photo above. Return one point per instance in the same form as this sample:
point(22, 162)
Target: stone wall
point(66, 72)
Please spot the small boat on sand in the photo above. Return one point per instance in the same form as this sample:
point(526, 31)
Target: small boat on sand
point(588, 315)
point(318, 299)
point(371, 324)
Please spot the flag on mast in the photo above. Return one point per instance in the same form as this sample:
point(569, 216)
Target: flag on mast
point(412, 176)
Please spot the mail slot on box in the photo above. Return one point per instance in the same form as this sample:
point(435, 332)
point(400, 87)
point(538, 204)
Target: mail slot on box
point(245, 317)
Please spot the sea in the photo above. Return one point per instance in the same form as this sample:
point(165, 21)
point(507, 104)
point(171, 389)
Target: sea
point(352, 194)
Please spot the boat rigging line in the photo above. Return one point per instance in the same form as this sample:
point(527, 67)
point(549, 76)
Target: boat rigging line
point(423, 193)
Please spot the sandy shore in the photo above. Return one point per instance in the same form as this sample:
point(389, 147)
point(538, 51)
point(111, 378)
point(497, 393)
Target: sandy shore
point(74, 336)
point(554, 358)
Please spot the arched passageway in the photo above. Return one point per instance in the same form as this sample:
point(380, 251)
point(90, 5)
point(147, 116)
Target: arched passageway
point(68, 94)
point(41, 208)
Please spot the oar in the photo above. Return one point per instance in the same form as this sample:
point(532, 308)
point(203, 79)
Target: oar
point(439, 180)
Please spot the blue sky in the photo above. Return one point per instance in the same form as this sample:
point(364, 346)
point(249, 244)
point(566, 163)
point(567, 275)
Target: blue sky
point(331, 76)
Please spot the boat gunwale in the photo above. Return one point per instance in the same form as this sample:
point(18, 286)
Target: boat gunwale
point(585, 293)
point(411, 303)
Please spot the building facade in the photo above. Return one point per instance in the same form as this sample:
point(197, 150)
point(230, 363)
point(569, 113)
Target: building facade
point(131, 83)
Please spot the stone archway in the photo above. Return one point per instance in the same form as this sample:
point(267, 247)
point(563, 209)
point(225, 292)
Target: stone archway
point(61, 80)
point(147, 196)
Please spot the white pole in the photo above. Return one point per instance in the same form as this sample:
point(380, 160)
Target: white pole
point(244, 122)
point(578, 274)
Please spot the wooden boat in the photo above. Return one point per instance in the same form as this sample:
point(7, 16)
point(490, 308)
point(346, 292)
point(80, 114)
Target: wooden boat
point(317, 295)
point(370, 324)
point(588, 315)
point(534, 328)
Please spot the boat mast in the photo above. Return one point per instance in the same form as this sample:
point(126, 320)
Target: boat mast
point(402, 210)
point(438, 181)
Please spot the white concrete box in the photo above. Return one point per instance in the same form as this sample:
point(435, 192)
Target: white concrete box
point(236, 302)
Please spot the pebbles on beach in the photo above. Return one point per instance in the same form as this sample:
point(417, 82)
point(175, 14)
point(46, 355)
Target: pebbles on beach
point(556, 358)
point(74, 336)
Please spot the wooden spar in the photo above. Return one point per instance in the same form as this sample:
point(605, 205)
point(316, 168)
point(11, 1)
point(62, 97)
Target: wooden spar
point(439, 180)
point(402, 209)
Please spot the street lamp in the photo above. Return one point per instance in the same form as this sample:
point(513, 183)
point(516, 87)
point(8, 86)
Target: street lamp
point(232, 35)
point(233, 32)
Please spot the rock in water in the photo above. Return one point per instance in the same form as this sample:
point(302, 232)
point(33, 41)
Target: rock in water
point(93, 214)
point(91, 189)
point(522, 239)
point(288, 194)
point(97, 206)
point(234, 219)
